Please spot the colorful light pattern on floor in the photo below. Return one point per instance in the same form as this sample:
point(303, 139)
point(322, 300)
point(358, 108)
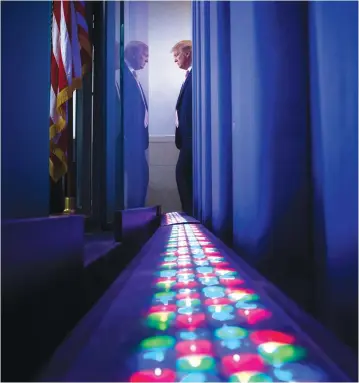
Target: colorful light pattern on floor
point(209, 326)
point(174, 218)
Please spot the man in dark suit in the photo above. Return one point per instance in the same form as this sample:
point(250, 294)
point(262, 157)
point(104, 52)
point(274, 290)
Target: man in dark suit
point(135, 117)
point(182, 54)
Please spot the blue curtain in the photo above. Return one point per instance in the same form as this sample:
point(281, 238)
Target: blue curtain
point(270, 133)
point(212, 116)
point(334, 127)
point(275, 149)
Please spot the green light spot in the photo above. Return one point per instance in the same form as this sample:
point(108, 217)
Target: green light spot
point(166, 285)
point(162, 295)
point(169, 265)
point(243, 377)
point(169, 259)
point(160, 321)
point(220, 309)
point(244, 298)
point(188, 302)
point(195, 363)
point(282, 354)
point(158, 342)
point(231, 332)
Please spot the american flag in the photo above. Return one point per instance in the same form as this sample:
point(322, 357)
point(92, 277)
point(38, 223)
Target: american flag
point(71, 58)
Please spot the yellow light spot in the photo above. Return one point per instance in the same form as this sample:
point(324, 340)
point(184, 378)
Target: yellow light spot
point(270, 347)
point(163, 317)
point(194, 361)
point(244, 376)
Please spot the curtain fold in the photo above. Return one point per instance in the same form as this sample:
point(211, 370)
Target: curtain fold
point(221, 120)
point(202, 107)
point(334, 128)
point(271, 147)
point(212, 117)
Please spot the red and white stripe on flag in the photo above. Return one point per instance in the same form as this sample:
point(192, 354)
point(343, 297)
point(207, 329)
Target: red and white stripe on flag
point(70, 58)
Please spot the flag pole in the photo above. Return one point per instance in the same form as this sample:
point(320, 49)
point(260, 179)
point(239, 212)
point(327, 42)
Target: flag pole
point(70, 191)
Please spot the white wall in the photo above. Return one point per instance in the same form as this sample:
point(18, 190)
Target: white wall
point(168, 23)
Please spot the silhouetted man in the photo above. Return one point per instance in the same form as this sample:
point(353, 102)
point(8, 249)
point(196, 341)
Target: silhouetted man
point(182, 53)
point(135, 117)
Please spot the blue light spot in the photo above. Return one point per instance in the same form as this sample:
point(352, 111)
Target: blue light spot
point(186, 310)
point(246, 305)
point(232, 344)
point(209, 281)
point(157, 355)
point(197, 251)
point(169, 259)
point(222, 316)
point(285, 376)
point(199, 256)
point(187, 291)
point(186, 278)
point(168, 273)
point(214, 292)
point(205, 270)
point(201, 263)
point(189, 335)
point(194, 377)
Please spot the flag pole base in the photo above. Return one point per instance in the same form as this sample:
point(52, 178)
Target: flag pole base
point(70, 205)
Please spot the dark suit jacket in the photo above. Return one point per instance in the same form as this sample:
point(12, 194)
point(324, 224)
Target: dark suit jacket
point(136, 135)
point(184, 111)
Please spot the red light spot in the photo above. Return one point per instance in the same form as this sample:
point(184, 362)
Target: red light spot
point(190, 321)
point(240, 291)
point(183, 264)
point(163, 308)
point(184, 251)
point(217, 301)
point(225, 269)
point(242, 362)
point(185, 272)
point(190, 295)
point(231, 282)
point(162, 280)
point(222, 265)
point(207, 275)
point(187, 284)
point(253, 316)
point(264, 336)
point(189, 347)
point(165, 375)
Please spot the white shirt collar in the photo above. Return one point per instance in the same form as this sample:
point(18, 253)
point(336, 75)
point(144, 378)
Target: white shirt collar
point(129, 67)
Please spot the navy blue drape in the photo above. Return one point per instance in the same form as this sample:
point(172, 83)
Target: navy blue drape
point(275, 149)
point(270, 133)
point(212, 115)
point(334, 127)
